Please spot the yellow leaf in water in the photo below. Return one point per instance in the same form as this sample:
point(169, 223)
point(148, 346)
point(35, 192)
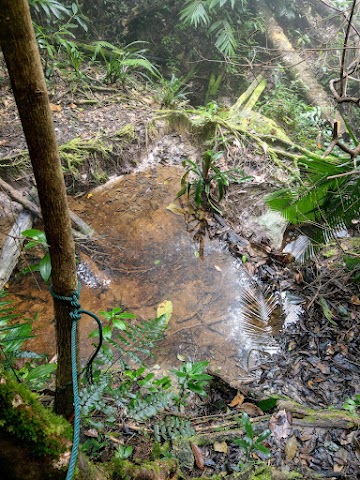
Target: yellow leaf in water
point(165, 308)
point(175, 209)
point(221, 447)
point(291, 448)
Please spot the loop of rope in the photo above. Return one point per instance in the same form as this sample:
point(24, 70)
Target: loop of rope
point(75, 315)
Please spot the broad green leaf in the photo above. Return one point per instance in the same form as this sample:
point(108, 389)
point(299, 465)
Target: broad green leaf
point(41, 371)
point(45, 267)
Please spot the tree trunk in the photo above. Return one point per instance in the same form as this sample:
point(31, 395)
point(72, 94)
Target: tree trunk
point(17, 40)
point(313, 91)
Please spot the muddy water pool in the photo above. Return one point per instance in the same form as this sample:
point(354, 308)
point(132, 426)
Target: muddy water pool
point(142, 254)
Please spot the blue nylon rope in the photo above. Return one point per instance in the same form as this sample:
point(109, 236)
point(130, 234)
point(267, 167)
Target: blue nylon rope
point(75, 315)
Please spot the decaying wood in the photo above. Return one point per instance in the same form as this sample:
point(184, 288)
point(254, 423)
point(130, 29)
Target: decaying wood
point(12, 246)
point(298, 68)
point(82, 226)
point(320, 418)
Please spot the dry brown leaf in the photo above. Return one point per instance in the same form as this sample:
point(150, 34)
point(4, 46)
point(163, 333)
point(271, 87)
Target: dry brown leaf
point(237, 400)
point(251, 409)
point(199, 456)
point(221, 447)
point(91, 433)
point(55, 108)
point(355, 300)
point(280, 425)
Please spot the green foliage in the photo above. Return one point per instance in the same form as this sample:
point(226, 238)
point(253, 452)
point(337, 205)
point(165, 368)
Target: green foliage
point(191, 378)
point(199, 181)
point(321, 199)
point(12, 338)
point(122, 63)
point(171, 428)
point(54, 25)
point(173, 92)
point(220, 18)
point(123, 452)
point(123, 383)
point(36, 238)
point(251, 443)
point(284, 105)
point(352, 405)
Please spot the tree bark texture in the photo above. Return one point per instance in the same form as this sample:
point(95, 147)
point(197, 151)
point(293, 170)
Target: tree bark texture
point(298, 68)
point(17, 40)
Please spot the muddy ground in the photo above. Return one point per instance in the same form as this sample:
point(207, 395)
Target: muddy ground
point(318, 363)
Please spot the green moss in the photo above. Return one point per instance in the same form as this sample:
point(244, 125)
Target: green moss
point(23, 417)
point(125, 470)
point(127, 132)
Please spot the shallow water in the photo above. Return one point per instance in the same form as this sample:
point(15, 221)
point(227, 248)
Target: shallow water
point(143, 254)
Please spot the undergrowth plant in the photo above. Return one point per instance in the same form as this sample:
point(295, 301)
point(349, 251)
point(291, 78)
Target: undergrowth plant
point(124, 387)
point(26, 366)
point(122, 63)
point(37, 239)
point(173, 92)
point(252, 443)
point(207, 183)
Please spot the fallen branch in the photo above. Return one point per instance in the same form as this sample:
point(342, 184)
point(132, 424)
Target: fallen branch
point(82, 226)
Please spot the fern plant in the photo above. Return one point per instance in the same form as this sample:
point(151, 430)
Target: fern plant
point(13, 335)
point(219, 17)
point(122, 63)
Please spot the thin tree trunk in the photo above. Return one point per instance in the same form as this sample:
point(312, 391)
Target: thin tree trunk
point(17, 40)
point(298, 68)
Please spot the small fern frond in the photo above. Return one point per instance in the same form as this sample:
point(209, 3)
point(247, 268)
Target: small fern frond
point(145, 407)
point(225, 37)
point(172, 427)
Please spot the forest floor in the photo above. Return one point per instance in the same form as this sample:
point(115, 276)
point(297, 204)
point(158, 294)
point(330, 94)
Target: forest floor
point(317, 367)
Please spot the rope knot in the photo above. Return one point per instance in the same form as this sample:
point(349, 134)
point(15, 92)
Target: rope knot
point(75, 315)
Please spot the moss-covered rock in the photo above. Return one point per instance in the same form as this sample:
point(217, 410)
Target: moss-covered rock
point(25, 419)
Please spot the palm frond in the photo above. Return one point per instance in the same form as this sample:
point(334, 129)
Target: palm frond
point(195, 13)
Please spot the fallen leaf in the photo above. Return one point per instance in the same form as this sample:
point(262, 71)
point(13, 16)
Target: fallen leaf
point(251, 409)
point(323, 367)
point(221, 447)
point(280, 425)
point(291, 448)
point(55, 108)
point(199, 456)
point(355, 300)
point(72, 105)
point(180, 357)
point(91, 433)
point(175, 209)
point(165, 308)
point(237, 400)
point(338, 468)
point(3, 142)
point(217, 268)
